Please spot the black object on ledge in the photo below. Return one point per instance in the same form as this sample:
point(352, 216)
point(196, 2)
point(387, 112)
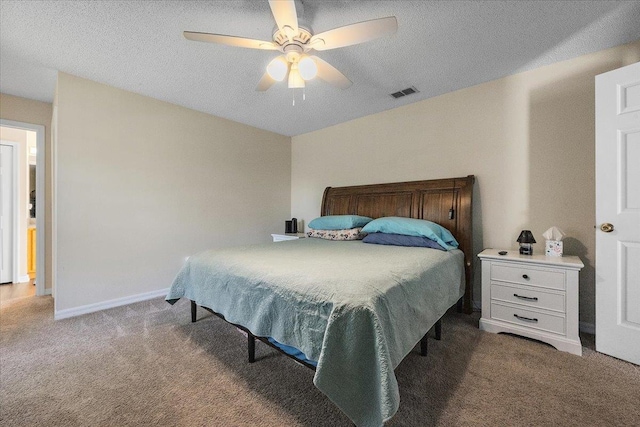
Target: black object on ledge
point(291, 226)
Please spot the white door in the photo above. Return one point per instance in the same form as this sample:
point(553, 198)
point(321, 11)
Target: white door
point(6, 213)
point(618, 213)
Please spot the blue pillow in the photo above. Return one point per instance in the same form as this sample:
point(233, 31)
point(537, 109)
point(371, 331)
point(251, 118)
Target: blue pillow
point(339, 222)
point(412, 227)
point(401, 240)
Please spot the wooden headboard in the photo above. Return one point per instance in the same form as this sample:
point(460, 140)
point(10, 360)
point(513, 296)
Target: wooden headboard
point(430, 200)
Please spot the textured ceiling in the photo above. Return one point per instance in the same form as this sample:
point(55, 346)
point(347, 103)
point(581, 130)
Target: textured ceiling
point(440, 46)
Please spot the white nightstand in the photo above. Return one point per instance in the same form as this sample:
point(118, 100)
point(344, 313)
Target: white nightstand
point(534, 296)
point(287, 236)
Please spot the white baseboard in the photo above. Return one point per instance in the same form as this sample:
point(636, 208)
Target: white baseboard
point(587, 327)
point(24, 279)
point(91, 308)
point(48, 291)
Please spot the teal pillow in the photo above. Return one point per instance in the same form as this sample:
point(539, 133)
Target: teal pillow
point(412, 227)
point(339, 222)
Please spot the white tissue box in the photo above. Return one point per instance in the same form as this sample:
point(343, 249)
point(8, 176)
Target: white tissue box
point(553, 248)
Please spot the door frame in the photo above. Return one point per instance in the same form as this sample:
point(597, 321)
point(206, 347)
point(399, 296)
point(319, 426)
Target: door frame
point(40, 203)
point(15, 246)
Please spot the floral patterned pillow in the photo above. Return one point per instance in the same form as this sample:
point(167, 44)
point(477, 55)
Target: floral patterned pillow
point(348, 234)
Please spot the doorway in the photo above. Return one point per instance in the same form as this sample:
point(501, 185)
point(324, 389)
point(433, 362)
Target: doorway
point(35, 155)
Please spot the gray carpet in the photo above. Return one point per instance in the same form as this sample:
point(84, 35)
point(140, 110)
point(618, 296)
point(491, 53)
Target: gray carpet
point(146, 364)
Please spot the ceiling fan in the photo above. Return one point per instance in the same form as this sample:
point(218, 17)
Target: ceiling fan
point(296, 40)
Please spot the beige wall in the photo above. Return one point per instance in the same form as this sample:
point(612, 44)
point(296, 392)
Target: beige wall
point(528, 139)
point(38, 113)
point(141, 184)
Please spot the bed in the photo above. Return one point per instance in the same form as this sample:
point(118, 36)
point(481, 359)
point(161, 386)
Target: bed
point(351, 311)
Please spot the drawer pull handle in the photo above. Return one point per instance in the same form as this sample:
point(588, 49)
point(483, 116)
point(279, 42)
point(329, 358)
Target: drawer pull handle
point(524, 276)
point(526, 319)
point(527, 298)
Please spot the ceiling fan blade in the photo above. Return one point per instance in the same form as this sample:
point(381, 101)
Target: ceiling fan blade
point(265, 83)
point(284, 12)
point(354, 33)
point(330, 74)
point(230, 40)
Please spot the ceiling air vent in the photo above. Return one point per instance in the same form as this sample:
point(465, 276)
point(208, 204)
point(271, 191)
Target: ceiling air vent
point(405, 92)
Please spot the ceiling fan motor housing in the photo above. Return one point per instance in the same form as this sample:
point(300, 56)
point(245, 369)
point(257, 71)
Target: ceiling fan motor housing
point(299, 40)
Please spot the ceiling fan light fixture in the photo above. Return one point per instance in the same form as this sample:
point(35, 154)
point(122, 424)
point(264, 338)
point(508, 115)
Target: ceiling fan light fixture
point(295, 79)
point(277, 69)
point(294, 39)
point(308, 68)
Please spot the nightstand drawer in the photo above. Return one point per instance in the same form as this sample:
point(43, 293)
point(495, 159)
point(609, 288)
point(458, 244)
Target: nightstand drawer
point(527, 276)
point(526, 296)
point(528, 318)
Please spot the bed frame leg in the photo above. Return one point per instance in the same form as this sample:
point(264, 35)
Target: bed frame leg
point(251, 347)
point(423, 345)
point(459, 305)
point(193, 311)
point(439, 330)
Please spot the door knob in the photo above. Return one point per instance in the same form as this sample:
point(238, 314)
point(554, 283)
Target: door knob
point(606, 227)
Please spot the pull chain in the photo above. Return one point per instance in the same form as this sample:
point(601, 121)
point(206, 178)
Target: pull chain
point(293, 96)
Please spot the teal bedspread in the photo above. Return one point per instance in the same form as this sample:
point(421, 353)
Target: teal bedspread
point(357, 309)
